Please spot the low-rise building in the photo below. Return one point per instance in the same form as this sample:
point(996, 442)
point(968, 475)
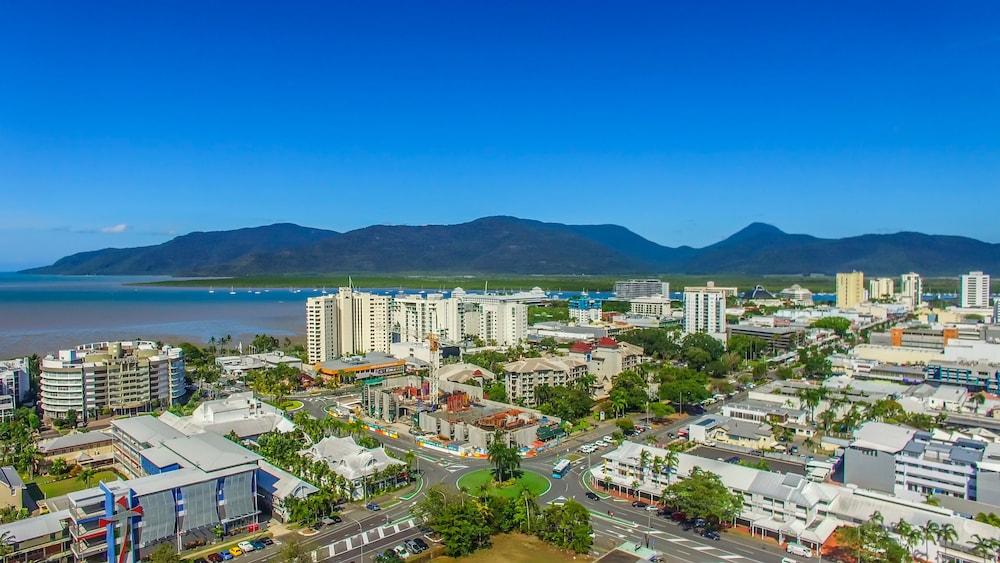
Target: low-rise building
point(797, 294)
point(975, 376)
point(12, 488)
point(522, 377)
point(654, 306)
point(361, 467)
point(235, 367)
point(585, 310)
point(351, 369)
point(749, 434)
point(778, 338)
point(606, 359)
point(463, 372)
point(86, 449)
point(240, 413)
point(40, 538)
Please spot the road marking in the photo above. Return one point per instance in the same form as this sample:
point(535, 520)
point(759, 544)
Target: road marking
point(702, 547)
point(677, 540)
point(731, 557)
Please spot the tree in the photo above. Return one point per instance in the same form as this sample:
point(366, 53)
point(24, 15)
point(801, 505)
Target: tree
point(264, 343)
point(163, 553)
point(86, 475)
point(985, 547)
point(567, 526)
point(703, 495)
point(496, 391)
point(70, 420)
point(459, 520)
point(784, 372)
point(629, 391)
point(570, 403)
point(747, 347)
point(293, 552)
point(839, 325)
point(388, 556)
point(682, 386)
point(990, 518)
point(704, 342)
point(504, 458)
point(661, 410)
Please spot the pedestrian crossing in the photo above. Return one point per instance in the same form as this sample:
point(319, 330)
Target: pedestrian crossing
point(360, 540)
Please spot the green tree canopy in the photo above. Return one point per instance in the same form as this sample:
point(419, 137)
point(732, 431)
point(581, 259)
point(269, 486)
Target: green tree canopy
point(703, 495)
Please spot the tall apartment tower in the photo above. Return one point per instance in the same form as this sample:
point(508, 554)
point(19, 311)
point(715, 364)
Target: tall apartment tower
point(975, 290)
point(416, 316)
point(881, 288)
point(348, 322)
point(850, 289)
point(705, 311)
point(913, 287)
point(630, 289)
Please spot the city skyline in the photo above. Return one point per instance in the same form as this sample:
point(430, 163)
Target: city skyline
point(130, 124)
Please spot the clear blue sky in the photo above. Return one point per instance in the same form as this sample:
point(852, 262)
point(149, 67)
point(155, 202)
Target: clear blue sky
point(123, 123)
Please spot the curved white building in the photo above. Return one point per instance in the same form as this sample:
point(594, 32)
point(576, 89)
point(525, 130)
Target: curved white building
point(121, 377)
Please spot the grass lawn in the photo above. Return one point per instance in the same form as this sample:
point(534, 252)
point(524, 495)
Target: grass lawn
point(517, 548)
point(529, 480)
point(291, 405)
point(54, 487)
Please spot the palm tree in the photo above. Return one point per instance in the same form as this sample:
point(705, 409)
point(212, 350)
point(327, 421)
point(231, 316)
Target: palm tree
point(910, 535)
point(930, 531)
point(670, 460)
point(86, 475)
point(947, 534)
point(983, 547)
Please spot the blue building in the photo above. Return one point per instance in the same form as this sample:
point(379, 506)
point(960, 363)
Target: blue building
point(976, 376)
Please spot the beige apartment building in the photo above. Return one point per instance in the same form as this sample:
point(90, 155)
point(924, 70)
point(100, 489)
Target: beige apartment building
point(346, 323)
point(850, 289)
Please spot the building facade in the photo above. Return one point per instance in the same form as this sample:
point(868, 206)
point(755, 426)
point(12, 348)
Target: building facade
point(881, 288)
point(584, 310)
point(975, 290)
point(523, 377)
point(14, 385)
point(126, 377)
point(655, 307)
point(705, 311)
point(501, 320)
point(912, 287)
point(416, 316)
point(348, 322)
point(850, 289)
point(631, 289)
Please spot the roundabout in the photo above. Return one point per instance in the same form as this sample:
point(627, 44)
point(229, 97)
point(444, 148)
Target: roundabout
point(482, 480)
point(291, 405)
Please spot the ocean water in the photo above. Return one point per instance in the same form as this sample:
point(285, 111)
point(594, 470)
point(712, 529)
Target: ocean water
point(40, 314)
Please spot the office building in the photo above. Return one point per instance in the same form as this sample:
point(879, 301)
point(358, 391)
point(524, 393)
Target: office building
point(14, 385)
point(913, 464)
point(777, 339)
point(523, 377)
point(416, 316)
point(346, 323)
point(584, 310)
point(498, 320)
point(912, 287)
point(350, 369)
point(850, 290)
point(974, 376)
point(881, 288)
point(705, 311)
point(654, 307)
point(975, 290)
point(797, 294)
point(631, 289)
point(117, 378)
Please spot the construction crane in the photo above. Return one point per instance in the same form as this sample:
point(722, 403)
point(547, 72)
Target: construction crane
point(435, 348)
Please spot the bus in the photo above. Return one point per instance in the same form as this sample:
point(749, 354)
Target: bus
point(561, 468)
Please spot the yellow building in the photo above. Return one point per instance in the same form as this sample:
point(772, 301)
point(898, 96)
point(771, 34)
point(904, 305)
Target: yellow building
point(881, 288)
point(850, 289)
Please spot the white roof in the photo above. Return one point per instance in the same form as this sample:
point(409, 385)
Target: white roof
point(147, 429)
point(36, 527)
point(883, 437)
point(462, 372)
point(345, 457)
point(74, 440)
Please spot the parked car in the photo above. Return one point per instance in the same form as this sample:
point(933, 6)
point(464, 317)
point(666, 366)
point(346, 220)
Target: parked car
point(678, 517)
point(214, 558)
point(246, 546)
point(225, 555)
point(259, 545)
point(267, 541)
point(653, 508)
point(593, 496)
point(414, 547)
point(402, 551)
point(331, 520)
point(235, 551)
point(199, 560)
point(373, 506)
point(733, 459)
point(639, 504)
point(793, 449)
point(711, 534)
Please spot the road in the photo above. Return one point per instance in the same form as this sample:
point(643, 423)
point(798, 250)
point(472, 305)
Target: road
point(775, 464)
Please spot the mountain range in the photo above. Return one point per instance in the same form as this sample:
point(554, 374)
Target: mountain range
point(521, 246)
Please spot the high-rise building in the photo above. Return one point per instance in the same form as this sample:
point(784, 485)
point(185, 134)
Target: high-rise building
point(498, 319)
point(850, 289)
point(630, 289)
point(416, 316)
point(975, 290)
point(346, 323)
point(881, 288)
point(705, 311)
point(585, 310)
point(14, 383)
point(912, 287)
point(119, 377)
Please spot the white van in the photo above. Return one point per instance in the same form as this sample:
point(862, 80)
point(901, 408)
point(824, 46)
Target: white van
point(799, 549)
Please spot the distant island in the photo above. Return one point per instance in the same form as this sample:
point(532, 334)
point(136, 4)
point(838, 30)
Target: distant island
point(523, 247)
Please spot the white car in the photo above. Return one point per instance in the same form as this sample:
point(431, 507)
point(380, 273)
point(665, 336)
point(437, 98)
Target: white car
point(401, 551)
point(246, 546)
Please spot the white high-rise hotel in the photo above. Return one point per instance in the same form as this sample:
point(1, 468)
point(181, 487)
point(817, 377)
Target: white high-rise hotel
point(913, 288)
point(976, 290)
point(348, 322)
point(352, 322)
point(705, 310)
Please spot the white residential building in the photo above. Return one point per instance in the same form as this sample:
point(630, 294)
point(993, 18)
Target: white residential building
point(522, 377)
point(497, 319)
point(14, 383)
point(416, 316)
point(975, 290)
point(348, 322)
point(240, 413)
point(705, 311)
point(126, 377)
point(631, 289)
point(656, 307)
point(238, 366)
point(912, 287)
point(881, 288)
point(360, 466)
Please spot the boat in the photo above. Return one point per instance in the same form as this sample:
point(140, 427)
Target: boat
point(232, 290)
point(211, 289)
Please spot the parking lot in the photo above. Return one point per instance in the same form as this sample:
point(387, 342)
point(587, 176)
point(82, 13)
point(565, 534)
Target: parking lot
point(710, 452)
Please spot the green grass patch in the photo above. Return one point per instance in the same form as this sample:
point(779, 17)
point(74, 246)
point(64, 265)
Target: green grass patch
point(482, 479)
point(291, 405)
point(52, 486)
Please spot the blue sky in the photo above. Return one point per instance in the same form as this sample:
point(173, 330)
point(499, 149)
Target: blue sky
point(124, 123)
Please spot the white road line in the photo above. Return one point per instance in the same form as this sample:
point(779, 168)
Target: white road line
point(702, 547)
point(731, 557)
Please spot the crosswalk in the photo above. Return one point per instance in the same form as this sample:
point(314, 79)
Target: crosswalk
point(360, 540)
point(451, 467)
